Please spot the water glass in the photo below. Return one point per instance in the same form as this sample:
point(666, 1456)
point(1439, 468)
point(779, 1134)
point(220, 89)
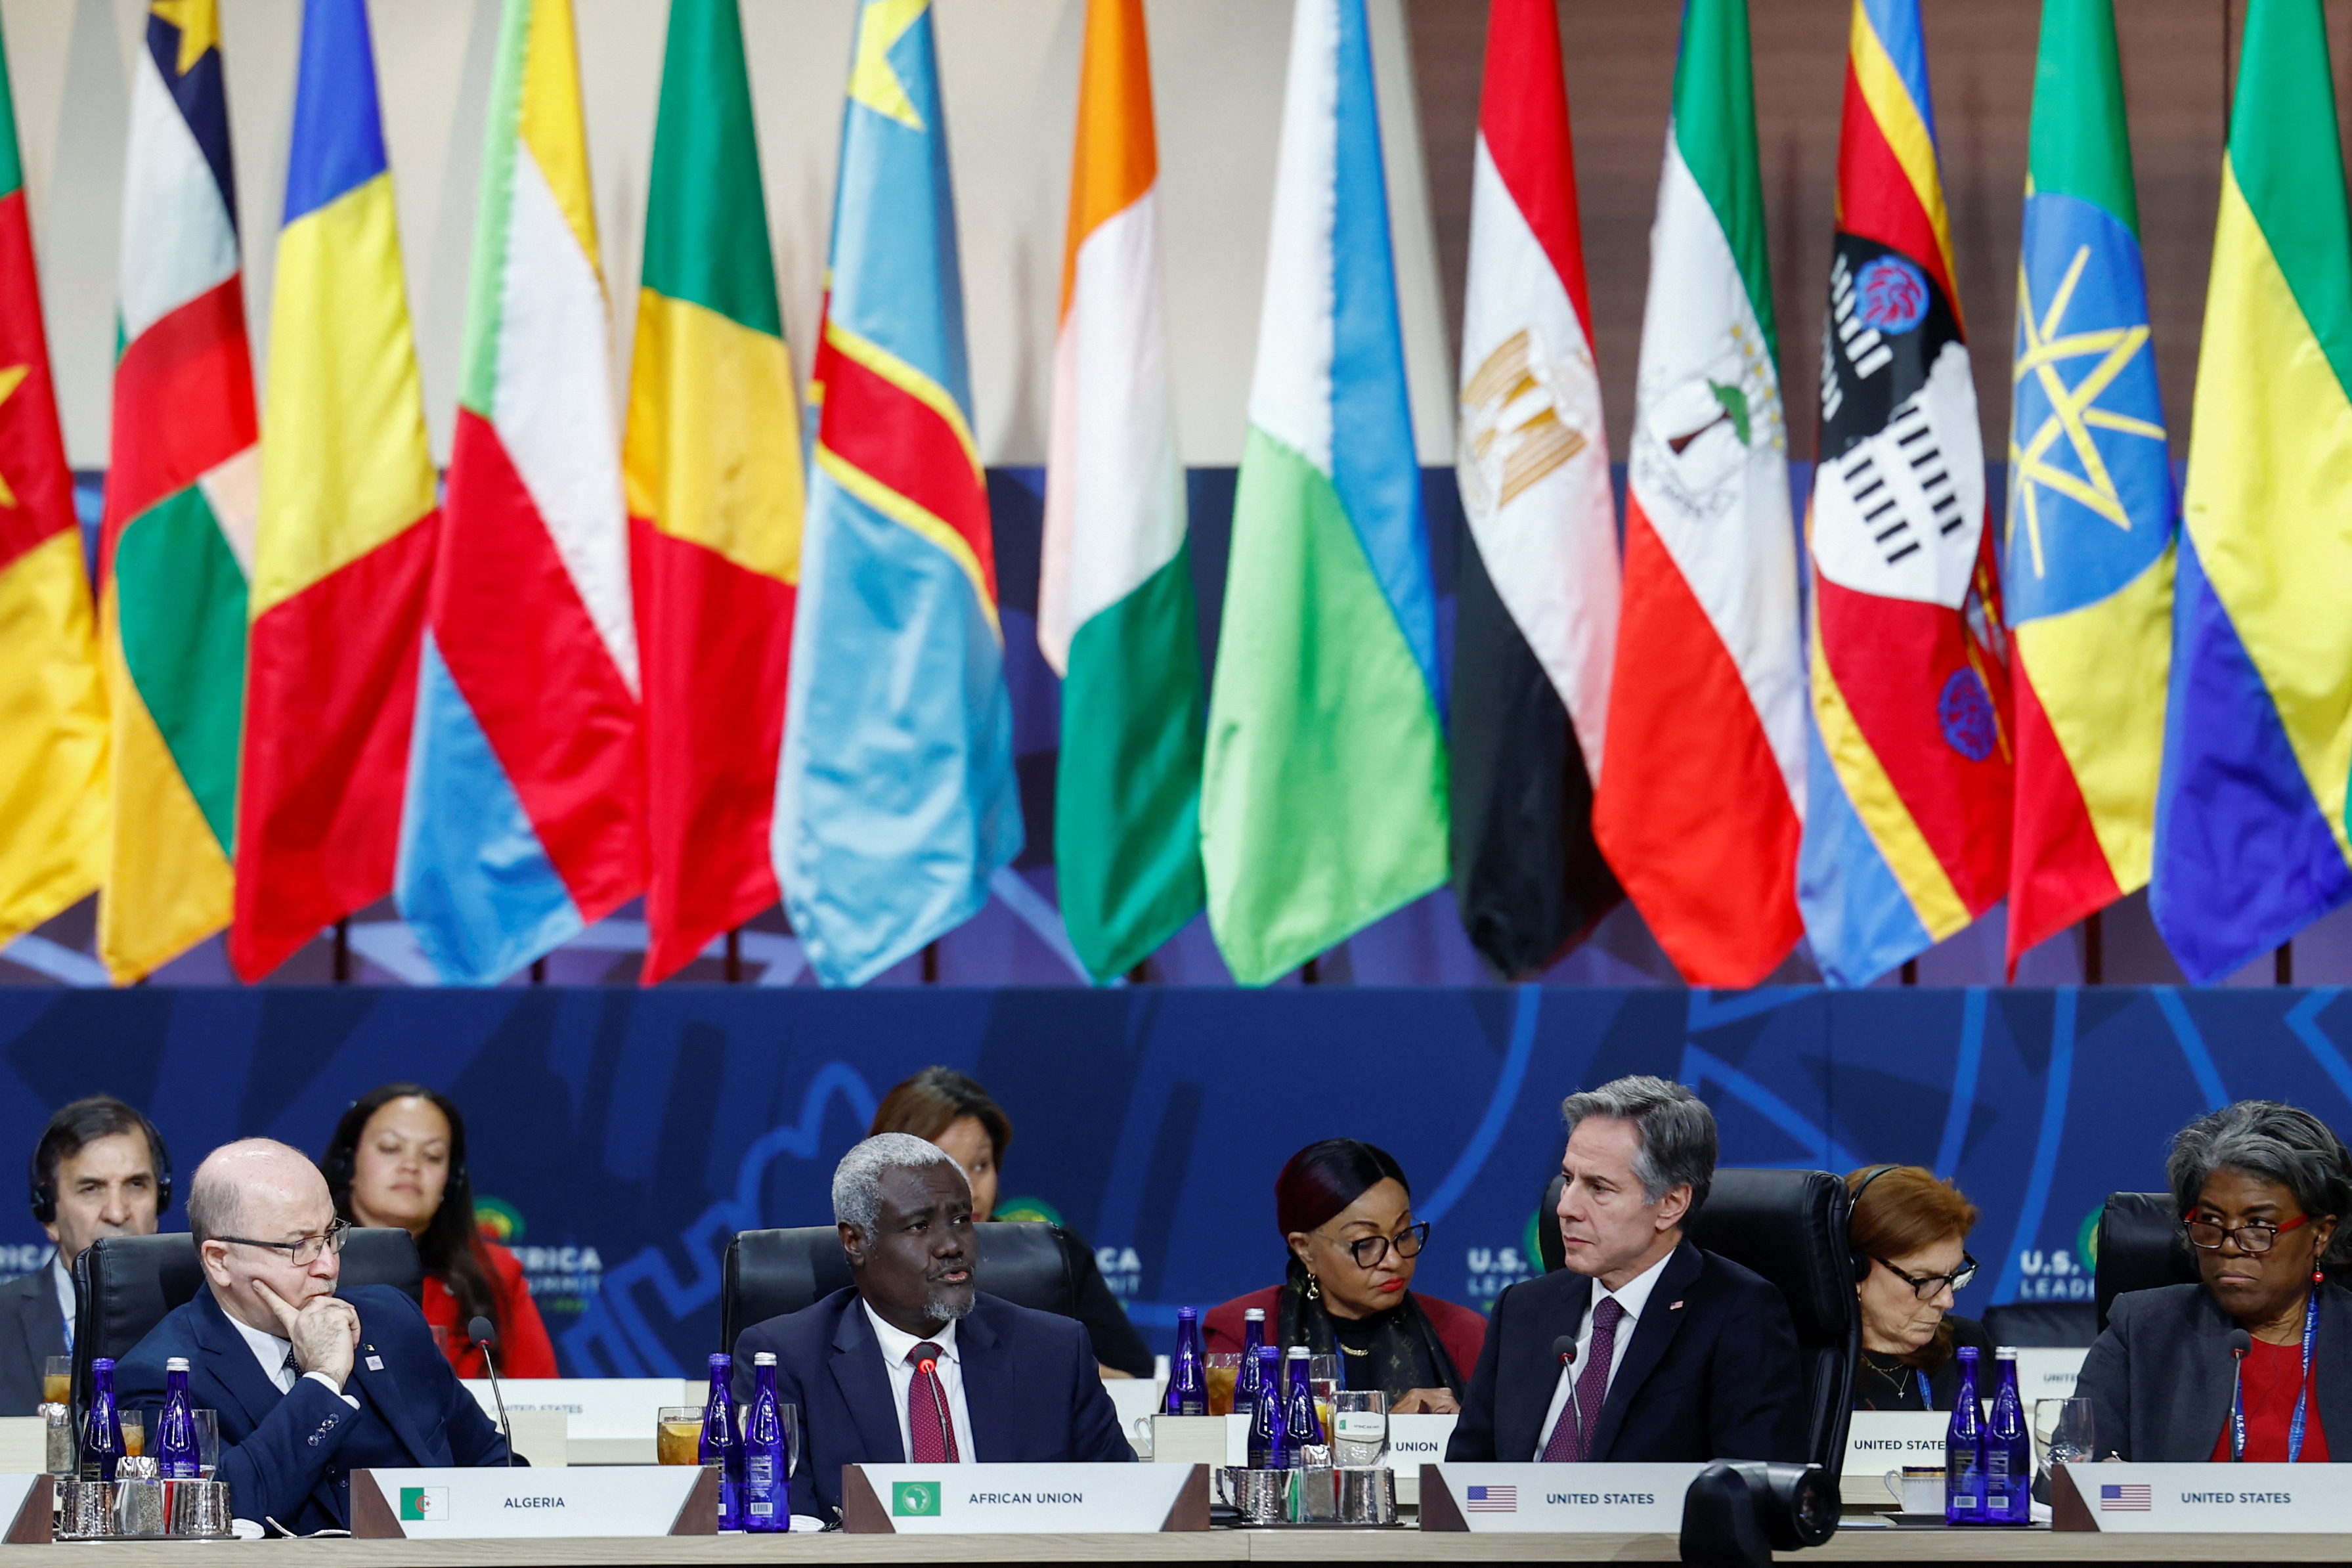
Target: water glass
point(1323, 1381)
point(2064, 1434)
point(208, 1442)
point(677, 1435)
point(134, 1433)
point(1359, 1426)
point(56, 1380)
point(1224, 1369)
point(789, 1416)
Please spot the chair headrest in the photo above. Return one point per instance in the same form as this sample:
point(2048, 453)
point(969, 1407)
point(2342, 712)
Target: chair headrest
point(2141, 1247)
point(768, 1273)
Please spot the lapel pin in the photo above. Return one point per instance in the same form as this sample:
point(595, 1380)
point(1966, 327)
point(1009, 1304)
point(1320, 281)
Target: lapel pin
point(375, 1363)
point(1674, 1306)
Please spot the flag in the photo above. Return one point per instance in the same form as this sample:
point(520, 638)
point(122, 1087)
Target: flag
point(1323, 798)
point(524, 816)
point(1704, 802)
point(181, 489)
point(2250, 824)
point(1535, 605)
point(344, 546)
point(897, 800)
point(2087, 566)
point(52, 699)
point(1117, 617)
point(713, 469)
point(1907, 786)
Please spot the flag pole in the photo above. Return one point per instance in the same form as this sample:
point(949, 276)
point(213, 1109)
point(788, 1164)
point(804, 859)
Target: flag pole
point(343, 951)
point(2283, 962)
point(2095, 950)
point(735, 955)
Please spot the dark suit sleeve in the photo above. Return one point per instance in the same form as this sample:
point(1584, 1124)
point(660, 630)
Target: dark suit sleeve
point(1756, 1404)
point(272, 1473)
point(1116, 1342)
point(473, 1437)
point(2105, 1382)
point(1094, 1435)
point(1473, 1441)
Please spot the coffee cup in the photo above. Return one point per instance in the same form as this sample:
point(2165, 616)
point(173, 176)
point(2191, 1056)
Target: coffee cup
point(1918, 1488)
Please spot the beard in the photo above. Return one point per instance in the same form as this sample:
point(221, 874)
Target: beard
point(951, 1302)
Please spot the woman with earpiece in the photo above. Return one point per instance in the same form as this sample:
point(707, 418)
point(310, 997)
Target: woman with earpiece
point(1910, 1235)
point(398, 1158)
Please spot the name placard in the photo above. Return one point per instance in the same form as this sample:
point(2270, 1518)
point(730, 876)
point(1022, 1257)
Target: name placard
point(2048, 1373)
point(487, 1504)
point(1028, 1499)
point(1560, 1500)
point(2260, 1499)
point(608, 1420)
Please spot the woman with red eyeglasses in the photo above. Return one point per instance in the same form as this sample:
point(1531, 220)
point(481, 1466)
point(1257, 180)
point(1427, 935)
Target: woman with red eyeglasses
point(1910, 1236)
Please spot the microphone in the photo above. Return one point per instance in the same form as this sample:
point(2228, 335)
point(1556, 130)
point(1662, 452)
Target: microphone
point(482, 1334)
point(2239, 1343)
point(930, 1367)
point(1564, 1347)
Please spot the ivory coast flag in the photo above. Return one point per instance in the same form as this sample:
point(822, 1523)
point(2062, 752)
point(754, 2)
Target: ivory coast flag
point(712, 465)
point(1703, 804)
point(1116, 617)
point(181, 489)
point(52, 703)
point(345, 543)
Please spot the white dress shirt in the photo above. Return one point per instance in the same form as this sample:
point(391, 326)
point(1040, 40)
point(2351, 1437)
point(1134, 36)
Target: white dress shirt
point(896, 1346)
point(1634, 1297)
point(62, 1272)
point(270, 1351)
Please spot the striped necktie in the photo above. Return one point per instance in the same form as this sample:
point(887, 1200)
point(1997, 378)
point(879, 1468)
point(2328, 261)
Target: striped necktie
point(931, 1429)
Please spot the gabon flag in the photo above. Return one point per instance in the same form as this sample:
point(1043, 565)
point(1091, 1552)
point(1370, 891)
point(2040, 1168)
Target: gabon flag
point(712, 466)
point(344, 547)
point(52, 699)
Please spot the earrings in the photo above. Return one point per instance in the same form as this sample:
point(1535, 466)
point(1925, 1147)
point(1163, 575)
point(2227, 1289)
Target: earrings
point(1314, 1286)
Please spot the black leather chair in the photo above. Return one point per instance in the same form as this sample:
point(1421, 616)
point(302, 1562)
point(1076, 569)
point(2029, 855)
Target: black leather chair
point(772, 1272)
point(2040, 1325)
point(1791, 1227)
point(126, 1284)
point(2141, 1247)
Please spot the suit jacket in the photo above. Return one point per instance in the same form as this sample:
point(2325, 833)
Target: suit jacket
point(1029, 1380)
point(2158, 1378)
point(31, 1331)
point(1712, 1372)
point(288, 1456)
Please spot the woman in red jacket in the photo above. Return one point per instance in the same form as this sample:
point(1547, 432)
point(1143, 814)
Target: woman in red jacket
point(398, 1158)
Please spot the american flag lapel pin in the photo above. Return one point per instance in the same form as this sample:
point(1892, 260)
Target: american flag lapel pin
point(1674, 1306)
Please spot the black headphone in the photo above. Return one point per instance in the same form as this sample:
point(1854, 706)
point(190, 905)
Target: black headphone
point(43, 1182)
point(1853, 1207)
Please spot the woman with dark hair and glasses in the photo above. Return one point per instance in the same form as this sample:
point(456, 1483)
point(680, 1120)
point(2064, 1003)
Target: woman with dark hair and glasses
point(1345, 1212)
point(398, 1158)
point(2254, 1362)
point(1910, 1235)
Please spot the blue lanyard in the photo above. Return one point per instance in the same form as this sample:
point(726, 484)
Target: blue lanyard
point(2302, 1394)
point(1926, 1390)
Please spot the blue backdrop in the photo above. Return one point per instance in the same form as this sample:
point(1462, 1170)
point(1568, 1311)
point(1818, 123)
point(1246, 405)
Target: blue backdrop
point(618, 1138)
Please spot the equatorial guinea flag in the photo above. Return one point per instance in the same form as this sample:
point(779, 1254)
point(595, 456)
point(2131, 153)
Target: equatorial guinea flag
point(1703, 804)
point(1535, 612)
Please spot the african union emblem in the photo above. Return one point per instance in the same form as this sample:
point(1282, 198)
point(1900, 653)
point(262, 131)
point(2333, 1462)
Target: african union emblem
point(1523, 415)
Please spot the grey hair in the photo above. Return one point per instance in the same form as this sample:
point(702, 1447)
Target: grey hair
point(2276, 1142)
point(1675, 1127)
point(857, 1179)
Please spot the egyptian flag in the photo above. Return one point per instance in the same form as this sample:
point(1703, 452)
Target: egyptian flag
point(1536, 626)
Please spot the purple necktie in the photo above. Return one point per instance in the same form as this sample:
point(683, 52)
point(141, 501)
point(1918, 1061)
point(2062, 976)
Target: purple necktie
point(929, 1429)
point(1571, 1438)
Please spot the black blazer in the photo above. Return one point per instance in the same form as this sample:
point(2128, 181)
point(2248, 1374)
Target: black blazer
point(2159, 1379)
point(31, 1331)
point(1712, 1372)
point(1029, 1381)
point(288, 1456)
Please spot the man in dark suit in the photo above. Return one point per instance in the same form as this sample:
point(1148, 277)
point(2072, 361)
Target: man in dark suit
point(911, 1363)
point(310, 1386)
point(1644, 1348)
point(100, 1169)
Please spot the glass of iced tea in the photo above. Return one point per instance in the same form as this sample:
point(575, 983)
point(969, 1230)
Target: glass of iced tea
point(677, 1435)
point(1225, 1368)
point(56, 1380)
point(134, 1432)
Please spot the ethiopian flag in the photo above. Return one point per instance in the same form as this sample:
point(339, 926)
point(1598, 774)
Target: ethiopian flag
point(712, 466)
point(52, 701)
point(2250, 835)
point(182, 492)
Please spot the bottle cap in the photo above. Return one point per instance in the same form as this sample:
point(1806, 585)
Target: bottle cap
point(176, 1364)
point(1968, 1352)
point(762, 1358)
point(2005, 1353)
point(1255, 1315)
point(1299, 1353)
point(720, 1359)
point(1187, 1314)
point(102, 1364)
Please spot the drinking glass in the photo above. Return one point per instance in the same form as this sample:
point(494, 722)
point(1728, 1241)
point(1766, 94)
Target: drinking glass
point(1224, 1369)
point(677, 1435)
point(789, 1417)
point(208, 1442)
point(2064, 1434)
point(1323, 1380)
point(134, 1433)
point(1359, 1430)
point(56, 1380)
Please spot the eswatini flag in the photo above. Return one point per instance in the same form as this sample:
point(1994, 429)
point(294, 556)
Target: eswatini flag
point(1536, 617)
point(524, 818)
point(181, 487)
point(713, 467)
point(1702, 805)
point(345, 543)
point(1907, 813)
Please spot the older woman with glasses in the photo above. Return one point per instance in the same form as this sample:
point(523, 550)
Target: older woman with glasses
point(1345, 1212)
point(2254, 1362)
point(1909, 1234)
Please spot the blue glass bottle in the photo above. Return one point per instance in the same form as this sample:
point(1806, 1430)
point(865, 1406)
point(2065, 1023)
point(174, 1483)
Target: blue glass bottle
point(175, 1442)
point(101, 1429)
point(2009, 1450)
point(1265, 1433)
point(1246, 1381)
point(1302, 1428)
point(1188, 1380)
point(723, 1442)
point(767, 1462)
point(1964, 1449)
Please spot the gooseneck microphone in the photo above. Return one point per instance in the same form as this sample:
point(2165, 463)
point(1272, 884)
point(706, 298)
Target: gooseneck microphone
point(2239, 1343)
point(480, 1331)
point(928, 1367)
point(1564, 1347)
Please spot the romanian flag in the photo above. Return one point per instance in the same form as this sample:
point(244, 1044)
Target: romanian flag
point(1908, 814)
point(2087, 563)
point(182, 491)
point(524, 816)
point(2250, 825)
point(713, 469)
point(1117, 617)
point(52, 701)
point(895, 800)
point(344, 549)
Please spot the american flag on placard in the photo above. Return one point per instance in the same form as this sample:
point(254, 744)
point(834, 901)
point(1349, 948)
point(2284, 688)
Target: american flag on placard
point(2127, 1497)
point(1501, 1499)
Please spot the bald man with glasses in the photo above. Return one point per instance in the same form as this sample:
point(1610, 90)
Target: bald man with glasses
point(310, 1385)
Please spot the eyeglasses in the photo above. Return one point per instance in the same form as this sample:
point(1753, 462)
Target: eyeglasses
point(1369, 1251)
point(1926, 1286)
point(306, 1251)
point(2253, 1238)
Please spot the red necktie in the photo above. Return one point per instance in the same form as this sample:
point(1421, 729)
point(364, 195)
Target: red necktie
point(931, 1429)
point(1571, 1439)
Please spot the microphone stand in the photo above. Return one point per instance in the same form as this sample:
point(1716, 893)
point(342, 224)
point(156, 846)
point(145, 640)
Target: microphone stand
point(928, 1368)
point(483, 1335)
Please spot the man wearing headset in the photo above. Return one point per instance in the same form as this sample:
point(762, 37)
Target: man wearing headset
point(100, 1169)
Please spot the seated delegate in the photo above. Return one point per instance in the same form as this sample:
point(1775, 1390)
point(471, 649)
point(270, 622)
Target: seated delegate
point(912, 1363)
point(2260, 1188)
point(1346, 1213)
point(1910, 1233)
point(1678, 1354)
